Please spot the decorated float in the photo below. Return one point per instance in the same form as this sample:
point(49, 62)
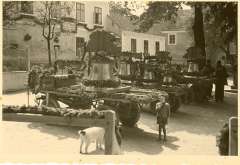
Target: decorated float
point(155, 73)
point(100, 84)
point(193, 75)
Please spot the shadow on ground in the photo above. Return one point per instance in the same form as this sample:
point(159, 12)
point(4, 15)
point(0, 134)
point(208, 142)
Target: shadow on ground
point(206, 119)
point(137, 140)
point(61, 132)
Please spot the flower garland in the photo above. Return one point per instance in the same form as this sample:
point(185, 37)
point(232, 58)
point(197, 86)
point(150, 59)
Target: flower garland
point(64, 112)
point(102, 83)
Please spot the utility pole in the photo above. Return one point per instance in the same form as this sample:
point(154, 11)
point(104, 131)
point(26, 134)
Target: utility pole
point(27, 39)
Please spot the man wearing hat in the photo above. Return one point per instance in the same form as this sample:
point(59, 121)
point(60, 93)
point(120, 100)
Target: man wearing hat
point(163, 113)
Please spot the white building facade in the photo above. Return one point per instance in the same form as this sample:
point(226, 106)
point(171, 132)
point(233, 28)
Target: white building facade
point(78, 19)
point(142, 43)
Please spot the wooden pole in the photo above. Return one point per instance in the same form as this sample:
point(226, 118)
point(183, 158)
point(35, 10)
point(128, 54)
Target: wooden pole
point(109, 132)
point(233, 136)
point(47, 99)
point(28, 95)
point(28, 57)
point(28, 65)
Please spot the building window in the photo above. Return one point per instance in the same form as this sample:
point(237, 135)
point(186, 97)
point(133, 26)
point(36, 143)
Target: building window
point(98, 15)
point(27, 7)
point(157, 46)
point(145, 46)
point(172, 39)
point(80, 12)
point(80, 46)
point(133, 45)
point(57, 10)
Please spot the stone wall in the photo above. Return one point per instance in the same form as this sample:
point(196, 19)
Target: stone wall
point(13, 81)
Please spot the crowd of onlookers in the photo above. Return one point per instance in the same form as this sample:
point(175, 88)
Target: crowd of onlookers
point(219, 73)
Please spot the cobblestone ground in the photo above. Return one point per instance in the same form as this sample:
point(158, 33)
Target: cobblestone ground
point(191, 131)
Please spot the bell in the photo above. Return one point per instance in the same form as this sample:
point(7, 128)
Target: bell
point(163, 66)
point(128, 69)
point(193, 67)
point(124, 69)
point(167, 79)
point(196, 68)
point(100, 71)
point(148, 75)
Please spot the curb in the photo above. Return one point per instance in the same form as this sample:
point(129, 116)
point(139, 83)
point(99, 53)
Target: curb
point(231, 91)
point(10, 91)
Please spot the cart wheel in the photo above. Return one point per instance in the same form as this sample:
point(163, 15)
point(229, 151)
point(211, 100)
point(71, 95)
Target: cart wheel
point(111, 106)
point(129, 113)
point(184, 98)
point(178, 103)
point(52, 103)
point(149, 107)
point(191, 95)
point(175, 103)
point(172, 102)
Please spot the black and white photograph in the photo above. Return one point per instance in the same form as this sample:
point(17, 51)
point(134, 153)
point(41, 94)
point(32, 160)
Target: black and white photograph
point(132, 78)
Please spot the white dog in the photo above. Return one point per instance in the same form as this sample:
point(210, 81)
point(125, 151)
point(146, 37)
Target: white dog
point(89, 135)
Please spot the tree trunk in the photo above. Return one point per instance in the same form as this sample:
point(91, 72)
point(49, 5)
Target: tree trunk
point(231, 59)
point(49, 52)
point(235, 76)
point(234, 64)
point(89, 63)
point(198, 29)
point(228, 55)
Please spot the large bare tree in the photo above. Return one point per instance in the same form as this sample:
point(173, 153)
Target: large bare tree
point(50, 14)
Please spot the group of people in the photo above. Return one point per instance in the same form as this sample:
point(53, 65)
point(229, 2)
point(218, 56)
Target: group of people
point(220, 79)
point(163, 108)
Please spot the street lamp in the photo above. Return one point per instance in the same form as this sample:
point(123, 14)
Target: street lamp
point(27, 39)
point(56, 47)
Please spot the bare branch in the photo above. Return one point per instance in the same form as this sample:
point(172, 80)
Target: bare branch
point(52, 32)
point(43, 32)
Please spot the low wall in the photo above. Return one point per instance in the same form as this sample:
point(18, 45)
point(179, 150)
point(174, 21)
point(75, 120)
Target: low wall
point(13, 81)
point(107, 122)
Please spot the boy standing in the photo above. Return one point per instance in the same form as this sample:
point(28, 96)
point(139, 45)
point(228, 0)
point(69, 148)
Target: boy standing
point(163, 113)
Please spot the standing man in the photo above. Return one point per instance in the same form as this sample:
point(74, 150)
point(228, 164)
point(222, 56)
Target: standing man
point(163, 113)
point(221, 80)
point(208, 71)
